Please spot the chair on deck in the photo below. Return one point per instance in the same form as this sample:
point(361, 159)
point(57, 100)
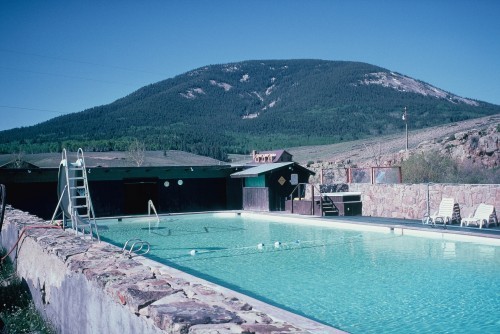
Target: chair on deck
point(482, 216)
point(445, 214)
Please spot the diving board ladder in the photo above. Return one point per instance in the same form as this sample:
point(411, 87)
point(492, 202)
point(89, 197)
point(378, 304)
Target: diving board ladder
point(74, 198)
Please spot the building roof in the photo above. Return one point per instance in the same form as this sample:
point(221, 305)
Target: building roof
point(266, 168)
point(111, 159)
point(265, 156)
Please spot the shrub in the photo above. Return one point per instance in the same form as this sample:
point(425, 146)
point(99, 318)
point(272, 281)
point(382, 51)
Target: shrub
point(440, 168)
point(469, 173)
point(17, 310)
point(429, 167)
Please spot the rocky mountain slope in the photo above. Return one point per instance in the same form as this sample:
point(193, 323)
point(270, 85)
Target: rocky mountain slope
point(474, 141)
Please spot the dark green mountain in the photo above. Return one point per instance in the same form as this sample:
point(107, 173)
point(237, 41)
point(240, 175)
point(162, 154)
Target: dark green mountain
point(234, 108)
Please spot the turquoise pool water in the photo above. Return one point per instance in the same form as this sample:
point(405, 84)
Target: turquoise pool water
point(357, 281)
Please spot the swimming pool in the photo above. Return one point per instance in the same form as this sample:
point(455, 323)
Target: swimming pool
point(355, 280)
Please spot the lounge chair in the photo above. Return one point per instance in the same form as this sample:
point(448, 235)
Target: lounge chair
point(445, 214)
point(482, 216)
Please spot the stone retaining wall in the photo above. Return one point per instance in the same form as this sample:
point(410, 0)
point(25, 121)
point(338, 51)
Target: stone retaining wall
point(410, 200)
point(90, 287)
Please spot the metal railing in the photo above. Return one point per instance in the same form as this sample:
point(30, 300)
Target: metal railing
point(137, 250)
point(79, 204)
point(152, 206)
point(3, 196)
point(300, 188)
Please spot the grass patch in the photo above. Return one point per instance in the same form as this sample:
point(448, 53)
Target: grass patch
point(17, 310)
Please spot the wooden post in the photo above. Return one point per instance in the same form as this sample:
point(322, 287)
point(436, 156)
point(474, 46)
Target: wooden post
point(312, 201)
point(321, 203)
point(405, 118)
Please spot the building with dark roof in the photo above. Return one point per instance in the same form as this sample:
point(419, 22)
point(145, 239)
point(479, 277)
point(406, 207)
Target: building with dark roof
point(175, 181)
point(266, 187)
point(271, 156)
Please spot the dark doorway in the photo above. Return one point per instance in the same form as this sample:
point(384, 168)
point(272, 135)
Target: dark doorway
point(137, 195)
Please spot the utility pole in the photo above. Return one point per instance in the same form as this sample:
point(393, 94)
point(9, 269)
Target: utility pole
point(405, 118)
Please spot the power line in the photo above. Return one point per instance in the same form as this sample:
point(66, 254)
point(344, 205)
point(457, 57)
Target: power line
point(82, 62)
point(65, 76)
point(33, 109)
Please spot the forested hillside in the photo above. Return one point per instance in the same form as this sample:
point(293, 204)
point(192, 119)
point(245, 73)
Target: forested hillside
point(237, 107)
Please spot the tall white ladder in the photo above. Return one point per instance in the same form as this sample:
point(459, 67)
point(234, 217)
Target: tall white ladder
point(78, 203)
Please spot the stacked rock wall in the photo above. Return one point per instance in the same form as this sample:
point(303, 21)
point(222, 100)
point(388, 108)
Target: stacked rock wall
point(410, 201)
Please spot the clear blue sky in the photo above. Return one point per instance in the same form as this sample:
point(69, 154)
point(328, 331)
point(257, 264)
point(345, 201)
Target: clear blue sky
point(60, 57)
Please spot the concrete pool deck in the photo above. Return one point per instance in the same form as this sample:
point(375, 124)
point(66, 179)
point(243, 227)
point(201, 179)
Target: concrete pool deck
point(490, 235)
point(490, 232)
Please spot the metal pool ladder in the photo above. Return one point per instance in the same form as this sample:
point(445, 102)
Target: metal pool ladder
point(77, 204)
point(82, 208)
point(137, 250)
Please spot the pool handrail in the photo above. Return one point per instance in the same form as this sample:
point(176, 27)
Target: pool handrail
point(152, 206)
point(137, 241)
point(301, 186)
point(3, 203)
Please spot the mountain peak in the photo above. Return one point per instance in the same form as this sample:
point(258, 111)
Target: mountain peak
point(255, 104)
point(406, 84)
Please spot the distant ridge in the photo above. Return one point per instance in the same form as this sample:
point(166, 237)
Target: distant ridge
point(261, 104)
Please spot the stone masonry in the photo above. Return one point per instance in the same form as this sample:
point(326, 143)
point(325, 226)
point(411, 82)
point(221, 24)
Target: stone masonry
point(409, 201)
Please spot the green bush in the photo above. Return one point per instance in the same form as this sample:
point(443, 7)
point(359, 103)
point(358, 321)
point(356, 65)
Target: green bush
point(17, 310)
point(429, 167)
point(440, 168)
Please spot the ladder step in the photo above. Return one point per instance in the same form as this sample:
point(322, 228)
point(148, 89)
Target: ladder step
point(76, 178)
point(78, 196)
point(77, 187)
point(75, 168)
point(79, 206)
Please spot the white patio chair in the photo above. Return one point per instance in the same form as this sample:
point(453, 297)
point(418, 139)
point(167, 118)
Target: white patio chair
point(482, 216)
point(444, 214)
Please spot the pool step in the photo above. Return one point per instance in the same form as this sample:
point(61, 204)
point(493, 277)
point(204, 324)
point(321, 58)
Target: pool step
point(328, 208)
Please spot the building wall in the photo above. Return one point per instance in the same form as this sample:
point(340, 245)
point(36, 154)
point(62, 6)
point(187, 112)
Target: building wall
point(256, 198)
point(120, 192)
point(410, 201)
point(39, 198)
point(279, 191)
point(193, 195)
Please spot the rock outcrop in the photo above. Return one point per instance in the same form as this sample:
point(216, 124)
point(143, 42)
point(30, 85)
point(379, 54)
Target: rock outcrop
point(478, 147)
